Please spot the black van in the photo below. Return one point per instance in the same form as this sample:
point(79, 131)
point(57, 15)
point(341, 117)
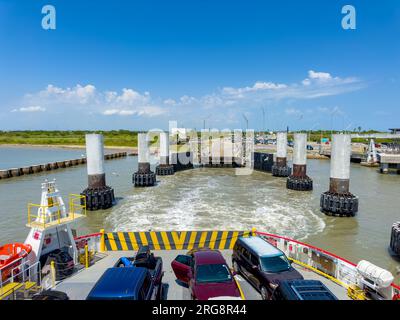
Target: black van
point(262, 264)
point(302, 290)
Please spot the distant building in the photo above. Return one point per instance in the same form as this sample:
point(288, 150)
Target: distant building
point(395, 130)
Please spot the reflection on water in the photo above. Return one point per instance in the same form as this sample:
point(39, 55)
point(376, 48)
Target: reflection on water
point(211, 198)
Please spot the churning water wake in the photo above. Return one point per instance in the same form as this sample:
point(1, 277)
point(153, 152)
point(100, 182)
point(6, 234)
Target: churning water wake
point(211, 199)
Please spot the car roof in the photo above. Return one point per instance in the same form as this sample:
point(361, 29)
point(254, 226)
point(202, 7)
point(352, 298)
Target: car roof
point(122, 283)
point(260, 247)
point(208, 257)
point(306, 290)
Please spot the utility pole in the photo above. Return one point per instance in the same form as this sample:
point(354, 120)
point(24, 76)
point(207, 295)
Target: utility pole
point(263, 123)
point(247, 121)
point(204, 121)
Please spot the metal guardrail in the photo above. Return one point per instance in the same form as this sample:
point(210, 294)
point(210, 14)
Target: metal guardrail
point(39, 219)
point(327, 264)
point(24, 277)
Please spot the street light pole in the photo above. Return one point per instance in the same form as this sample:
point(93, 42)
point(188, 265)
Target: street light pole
point(247, 121)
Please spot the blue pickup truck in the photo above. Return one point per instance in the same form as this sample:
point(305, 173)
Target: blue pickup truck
point(138, 278)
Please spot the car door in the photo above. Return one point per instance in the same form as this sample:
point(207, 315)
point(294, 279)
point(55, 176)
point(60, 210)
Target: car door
point(245, 263)
point(255, 276)
point(181, 267)
point(147, 289)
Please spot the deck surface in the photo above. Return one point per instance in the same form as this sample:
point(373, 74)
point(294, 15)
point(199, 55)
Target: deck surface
point(79, 285)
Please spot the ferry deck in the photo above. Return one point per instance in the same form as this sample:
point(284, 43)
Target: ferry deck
point(78, 286)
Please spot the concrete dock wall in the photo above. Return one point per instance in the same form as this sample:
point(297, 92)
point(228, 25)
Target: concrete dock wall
point(263, 161)
point(37, 168)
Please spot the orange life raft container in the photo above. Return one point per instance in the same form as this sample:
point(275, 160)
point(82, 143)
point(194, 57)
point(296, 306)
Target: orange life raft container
point(11, 255)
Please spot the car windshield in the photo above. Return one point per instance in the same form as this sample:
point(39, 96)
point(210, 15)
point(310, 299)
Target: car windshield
point(213, 273)
point(275, 264)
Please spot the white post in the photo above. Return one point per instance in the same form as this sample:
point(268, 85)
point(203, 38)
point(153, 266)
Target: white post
point(95, 154)
point(300, 149)
point(281, 144)
point(95, 160)
point(340, 156)
point(205, 152)
point(216, 148)
point(227, 149)
point(143, 148)
point(164, 148)
point(143, 153)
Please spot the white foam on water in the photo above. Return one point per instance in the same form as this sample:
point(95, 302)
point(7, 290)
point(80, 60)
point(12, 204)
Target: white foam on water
point(202, 201)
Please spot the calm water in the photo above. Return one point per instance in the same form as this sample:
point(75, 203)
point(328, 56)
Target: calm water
point(218, 199)
point(14, 157)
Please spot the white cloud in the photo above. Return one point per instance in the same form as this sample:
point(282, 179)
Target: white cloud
point(318, 84)
point(319, 75)
point(78, 94)
point(130, 102)
point(258, 86)
point(148, 111)
point(170, 102)
point(30, 109)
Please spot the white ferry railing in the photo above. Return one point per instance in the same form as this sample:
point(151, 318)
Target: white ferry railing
point(29, 273)
point(23, 277)
point(330, 265)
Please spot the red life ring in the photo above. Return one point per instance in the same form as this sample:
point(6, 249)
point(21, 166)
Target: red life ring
point(396, 296)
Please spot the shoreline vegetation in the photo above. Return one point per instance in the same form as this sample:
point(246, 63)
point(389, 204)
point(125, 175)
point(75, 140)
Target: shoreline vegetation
point(114, 139)
point(67, 139)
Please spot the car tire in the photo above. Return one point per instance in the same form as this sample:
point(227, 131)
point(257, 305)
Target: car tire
point(264, 293)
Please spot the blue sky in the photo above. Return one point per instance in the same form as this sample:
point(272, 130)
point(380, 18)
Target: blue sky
point(138, 64)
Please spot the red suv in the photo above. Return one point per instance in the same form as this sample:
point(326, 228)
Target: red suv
point(207, 274)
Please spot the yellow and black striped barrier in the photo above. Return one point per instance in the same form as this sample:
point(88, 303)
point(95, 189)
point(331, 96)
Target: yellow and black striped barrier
point(172, 240)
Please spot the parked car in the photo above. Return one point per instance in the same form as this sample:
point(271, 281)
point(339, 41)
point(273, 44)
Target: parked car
point(302, 290)
point(207, 275)
point(262, 264)
point(138, 278)
point(290, 144)
point(310, 147)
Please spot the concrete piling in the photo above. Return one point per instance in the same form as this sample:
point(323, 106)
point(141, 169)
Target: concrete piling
point(144, 177)
point(164, 168)
point(299, 180)
point(280, 167)
point(27, 170)
point(4, 174)
point(37, 168)
point(53, 166)
point(16, 172)
point(61, 164)
point(68, 163)
point(338, 200)
point(98, 194)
